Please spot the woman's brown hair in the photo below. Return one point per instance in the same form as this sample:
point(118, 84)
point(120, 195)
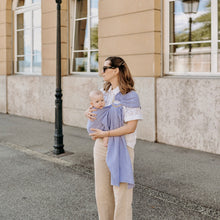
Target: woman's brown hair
point(126, 82)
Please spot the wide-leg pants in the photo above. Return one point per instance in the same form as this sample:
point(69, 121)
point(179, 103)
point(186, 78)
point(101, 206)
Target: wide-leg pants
point(113, 202)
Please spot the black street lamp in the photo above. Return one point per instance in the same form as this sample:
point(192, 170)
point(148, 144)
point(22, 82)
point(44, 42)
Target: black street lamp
point(190, 7)
point(58, 136)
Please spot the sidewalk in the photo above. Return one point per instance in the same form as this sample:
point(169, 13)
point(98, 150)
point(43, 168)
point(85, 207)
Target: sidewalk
point(183, 181)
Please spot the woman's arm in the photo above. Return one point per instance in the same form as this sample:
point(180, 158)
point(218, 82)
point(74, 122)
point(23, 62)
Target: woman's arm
point(128, 128)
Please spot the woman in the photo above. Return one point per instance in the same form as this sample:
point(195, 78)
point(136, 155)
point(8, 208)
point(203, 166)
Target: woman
point(114, 202)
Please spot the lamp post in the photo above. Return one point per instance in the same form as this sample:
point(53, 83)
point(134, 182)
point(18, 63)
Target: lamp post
point(190, 7)
point(58, 136)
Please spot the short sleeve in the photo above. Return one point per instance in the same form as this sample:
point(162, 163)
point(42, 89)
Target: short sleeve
point(131, 114)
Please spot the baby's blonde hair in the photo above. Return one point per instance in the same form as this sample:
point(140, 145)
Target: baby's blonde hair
point(94, 93)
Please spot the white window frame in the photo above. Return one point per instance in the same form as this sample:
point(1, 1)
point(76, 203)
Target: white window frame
point(214, 43)
point(73, 22)
point(20, 10)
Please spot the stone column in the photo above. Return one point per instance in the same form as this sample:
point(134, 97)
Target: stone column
point(132, 29)
point(49, 21)
point(5, 50)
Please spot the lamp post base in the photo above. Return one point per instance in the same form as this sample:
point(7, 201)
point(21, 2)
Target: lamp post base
point(58, 151)
point(58, 144)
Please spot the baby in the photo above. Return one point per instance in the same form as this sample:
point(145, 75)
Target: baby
point(97, 101)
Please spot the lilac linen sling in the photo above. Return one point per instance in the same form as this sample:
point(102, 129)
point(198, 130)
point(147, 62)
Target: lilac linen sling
point(100, 115)
point(109, 118)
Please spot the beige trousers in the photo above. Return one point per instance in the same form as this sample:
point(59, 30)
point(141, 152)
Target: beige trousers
point(113, 202)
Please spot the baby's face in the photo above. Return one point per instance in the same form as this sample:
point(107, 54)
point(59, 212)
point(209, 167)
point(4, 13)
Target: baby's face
point(98, 101)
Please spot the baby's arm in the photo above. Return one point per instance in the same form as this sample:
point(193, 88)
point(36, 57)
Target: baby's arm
point(105, 141)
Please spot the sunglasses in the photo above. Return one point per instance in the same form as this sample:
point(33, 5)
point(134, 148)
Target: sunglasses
point(107, 67)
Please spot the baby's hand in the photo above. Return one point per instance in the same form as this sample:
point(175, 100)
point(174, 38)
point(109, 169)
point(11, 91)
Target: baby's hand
point(89, 113)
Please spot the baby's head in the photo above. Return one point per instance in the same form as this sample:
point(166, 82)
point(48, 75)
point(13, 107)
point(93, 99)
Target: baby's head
point(97, 99)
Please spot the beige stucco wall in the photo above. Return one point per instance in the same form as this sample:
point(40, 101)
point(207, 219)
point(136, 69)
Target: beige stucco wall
point(188, 113)
point(32, 96)
point(131, 29)
point(75, 102)
point(188, 110)
point(145, 87)
point(75, 98)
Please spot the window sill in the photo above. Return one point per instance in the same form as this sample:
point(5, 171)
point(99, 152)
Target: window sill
point(86, 74)
point(192, 76)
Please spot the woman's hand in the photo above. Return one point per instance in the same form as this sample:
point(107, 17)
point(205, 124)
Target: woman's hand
point(97, 133)
point(89, 113)
point(127, 128)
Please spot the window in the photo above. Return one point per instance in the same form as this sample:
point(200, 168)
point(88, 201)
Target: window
point(191, 37)
point(84, 52)
point(28, 37)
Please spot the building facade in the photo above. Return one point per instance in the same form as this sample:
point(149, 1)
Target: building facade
point(170, 46)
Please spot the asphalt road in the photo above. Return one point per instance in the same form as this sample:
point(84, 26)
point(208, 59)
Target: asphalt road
point(36, 188)
point(32, 188)
point(172, 183)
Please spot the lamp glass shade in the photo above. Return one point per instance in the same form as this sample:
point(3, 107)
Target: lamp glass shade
point(190, 6)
